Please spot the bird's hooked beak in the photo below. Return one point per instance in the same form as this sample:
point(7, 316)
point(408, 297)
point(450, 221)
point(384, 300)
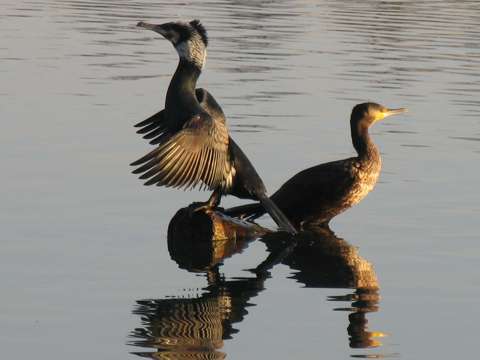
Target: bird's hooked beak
point(391, 112)
point(388, 112)
point(157, 28)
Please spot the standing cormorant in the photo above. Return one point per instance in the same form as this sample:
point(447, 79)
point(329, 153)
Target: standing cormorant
point(194, 144)
point(315, 195)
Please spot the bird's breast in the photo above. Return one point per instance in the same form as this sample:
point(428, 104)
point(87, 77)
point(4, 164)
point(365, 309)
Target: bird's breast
point(365, 178)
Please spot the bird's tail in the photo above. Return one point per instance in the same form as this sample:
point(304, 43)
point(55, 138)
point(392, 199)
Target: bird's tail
point(253, 211)
point(248, 212)
point(277, 215)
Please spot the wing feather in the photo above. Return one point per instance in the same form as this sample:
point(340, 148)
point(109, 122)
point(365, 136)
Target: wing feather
point(206, 177)
point(147, 128)
point(145, 167)
point(150, 173)
point(216, 171)
point(152, 134)
point(179, 175)
point(155, 127)
point(191, 174)
point(151, 155)
point(173, 168)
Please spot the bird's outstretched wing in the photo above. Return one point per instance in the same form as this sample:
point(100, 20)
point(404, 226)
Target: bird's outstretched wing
point(196, 154)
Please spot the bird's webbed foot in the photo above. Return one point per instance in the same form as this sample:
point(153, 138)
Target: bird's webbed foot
point(209, 205)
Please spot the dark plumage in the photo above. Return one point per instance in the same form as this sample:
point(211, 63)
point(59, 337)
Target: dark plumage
point(194, 146)
point(315, 195)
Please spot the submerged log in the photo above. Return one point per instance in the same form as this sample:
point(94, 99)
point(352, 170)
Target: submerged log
point(199, 240)
point(211, 225)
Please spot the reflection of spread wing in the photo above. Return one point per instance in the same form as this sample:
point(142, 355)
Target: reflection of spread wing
point(155, 127)
point(197, 153)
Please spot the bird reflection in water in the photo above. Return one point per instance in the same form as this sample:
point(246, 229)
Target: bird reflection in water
point(194, 325)
point(320, 259)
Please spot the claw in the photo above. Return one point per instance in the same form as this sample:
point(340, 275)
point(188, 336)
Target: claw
point(199, 206)
point(207, 206)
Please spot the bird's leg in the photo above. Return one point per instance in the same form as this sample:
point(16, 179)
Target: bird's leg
point(210, 204)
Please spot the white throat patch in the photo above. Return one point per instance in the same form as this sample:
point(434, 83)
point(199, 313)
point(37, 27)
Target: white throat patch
point(193, 50)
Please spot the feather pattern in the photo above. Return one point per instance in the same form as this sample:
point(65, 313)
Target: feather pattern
point(196, 154)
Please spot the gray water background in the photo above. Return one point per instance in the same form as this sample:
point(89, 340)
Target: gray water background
point(82, 239)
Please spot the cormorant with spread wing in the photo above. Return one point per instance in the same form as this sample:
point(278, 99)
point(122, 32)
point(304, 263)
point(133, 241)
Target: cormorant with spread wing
point(194, 147)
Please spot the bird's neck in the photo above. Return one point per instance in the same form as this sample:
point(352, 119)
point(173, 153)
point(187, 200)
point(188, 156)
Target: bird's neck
point(363, 144)
point(193, 51)
point(181, 91)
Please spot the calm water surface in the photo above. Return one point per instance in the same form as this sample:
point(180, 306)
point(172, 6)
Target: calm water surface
point(86, 271)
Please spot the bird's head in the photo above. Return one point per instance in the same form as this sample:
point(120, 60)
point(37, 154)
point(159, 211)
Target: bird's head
point(189, 39)
point(369, 113)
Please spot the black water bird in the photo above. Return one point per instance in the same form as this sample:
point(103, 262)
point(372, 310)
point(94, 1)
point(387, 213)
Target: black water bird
point(315, 195)
point(194, 145)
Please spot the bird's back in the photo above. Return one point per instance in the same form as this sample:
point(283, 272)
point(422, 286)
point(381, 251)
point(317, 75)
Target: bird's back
point(318, 193)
